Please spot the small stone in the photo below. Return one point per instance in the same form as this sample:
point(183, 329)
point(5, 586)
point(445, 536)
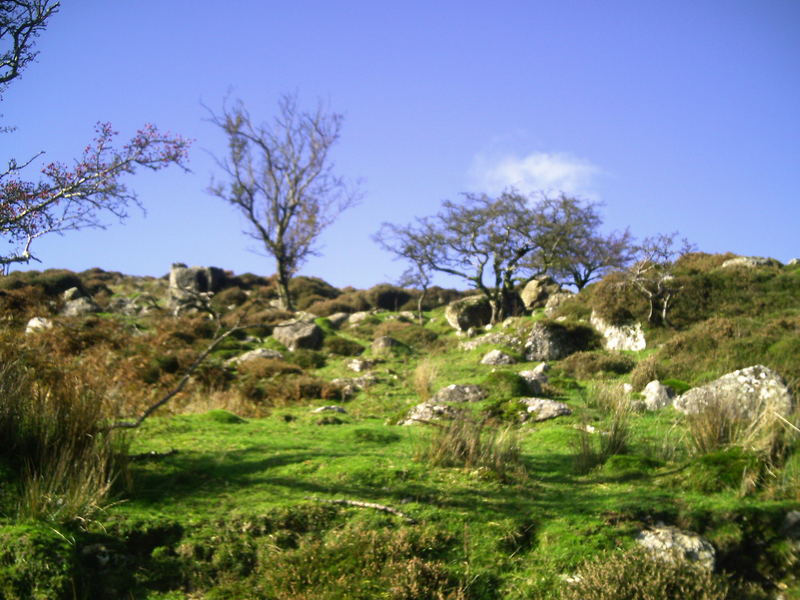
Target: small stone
point(360, 364)
point(330, 408)
point(38, 324)
point(543, 409)
point(254, 354)
point(497, 357)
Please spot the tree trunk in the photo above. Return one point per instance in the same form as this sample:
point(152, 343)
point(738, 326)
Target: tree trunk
point(284, 298)
point(497, 308)
point(420, 302)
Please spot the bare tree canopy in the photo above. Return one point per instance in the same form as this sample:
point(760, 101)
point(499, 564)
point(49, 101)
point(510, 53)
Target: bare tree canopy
point(281, 179)
point(652, 275)
point(20, 23)
point(571, 248)
point(497, 243)
point(67, 198)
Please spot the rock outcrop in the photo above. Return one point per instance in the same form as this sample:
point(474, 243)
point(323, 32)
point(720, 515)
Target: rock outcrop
point(745, 394)
point(750, 262)
point(384, 345)
point(428, 411)
point(360, 364)
point(496, 339)
point(555, 301)
point(466, 313)
point(298, 334)
point(254, 354)
point(535, 378)
point(78, 304)
point(187, 283)
point(537, 291)
point(549, 340)
point(619, 337)
point(459, 393)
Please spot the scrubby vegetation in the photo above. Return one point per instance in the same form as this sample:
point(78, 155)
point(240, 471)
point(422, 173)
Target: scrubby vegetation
point(237, 488)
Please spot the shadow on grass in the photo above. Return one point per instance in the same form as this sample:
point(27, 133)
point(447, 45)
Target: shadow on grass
point(553, 491)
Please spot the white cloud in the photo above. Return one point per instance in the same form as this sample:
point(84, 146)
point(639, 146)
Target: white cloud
point(550, 172)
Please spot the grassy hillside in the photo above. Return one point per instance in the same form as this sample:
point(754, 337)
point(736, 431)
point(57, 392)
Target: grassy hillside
point(237, 489)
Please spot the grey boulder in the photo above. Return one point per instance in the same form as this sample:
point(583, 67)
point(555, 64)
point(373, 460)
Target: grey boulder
point(744, 394)
point(298, 334)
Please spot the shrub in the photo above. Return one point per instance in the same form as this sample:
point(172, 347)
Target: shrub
point(53, 282)
point(306, 359)
point(307, 290)
point(232, 296)
point(504, 385)
point(615, 440)
point(387, 297)
point(349, 302)
point(24, 303)
point(615, 302)
point(341, 346)
point(410, 334)
point(719, 424)
point(262, 368)
point(701, 262)
point(720, 470)
point(645, 371)
point(584, 365)
point(635, 575)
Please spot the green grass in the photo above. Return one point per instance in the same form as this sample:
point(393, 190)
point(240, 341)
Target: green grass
point(214, 505)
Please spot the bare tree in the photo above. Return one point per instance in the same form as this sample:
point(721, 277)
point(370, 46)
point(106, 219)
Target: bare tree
point(571, 247)
point(20, 23)
point(73, 197)
point(494, 243)
point(280, 178)
point(478, 238)
point(406, 245)
point(651, 273)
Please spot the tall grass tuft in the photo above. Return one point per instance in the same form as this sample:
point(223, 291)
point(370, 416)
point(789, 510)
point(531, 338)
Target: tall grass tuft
point(616, 439)
point(424, 378)
point(53, 443)
point(720, 424)
point(466, 442)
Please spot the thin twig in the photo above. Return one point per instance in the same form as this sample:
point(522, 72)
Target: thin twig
point(373, 505)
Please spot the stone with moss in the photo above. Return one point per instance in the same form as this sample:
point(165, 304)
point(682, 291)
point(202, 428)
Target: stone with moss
point(747, 394)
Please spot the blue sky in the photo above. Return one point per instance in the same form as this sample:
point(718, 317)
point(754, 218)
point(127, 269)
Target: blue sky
point(680, 115)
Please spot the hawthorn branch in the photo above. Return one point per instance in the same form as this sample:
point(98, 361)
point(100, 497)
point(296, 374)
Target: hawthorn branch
point(373, 505)
point(180, 385)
